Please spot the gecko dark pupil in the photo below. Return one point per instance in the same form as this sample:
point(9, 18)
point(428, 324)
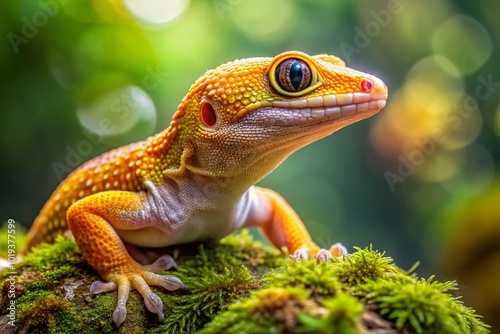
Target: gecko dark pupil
point(293, 75)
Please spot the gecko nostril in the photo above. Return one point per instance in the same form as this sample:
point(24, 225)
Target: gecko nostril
point(366, 85)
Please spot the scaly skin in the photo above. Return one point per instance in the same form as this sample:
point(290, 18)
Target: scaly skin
point(195, 180)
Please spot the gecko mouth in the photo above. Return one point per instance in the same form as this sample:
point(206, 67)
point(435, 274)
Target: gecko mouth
point(336, 107)
point(320, 109)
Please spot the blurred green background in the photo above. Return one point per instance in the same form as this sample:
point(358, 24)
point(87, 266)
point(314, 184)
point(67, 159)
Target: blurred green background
point(418, 181)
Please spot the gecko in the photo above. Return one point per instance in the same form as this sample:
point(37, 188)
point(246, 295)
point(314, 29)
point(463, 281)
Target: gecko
point(195, 180)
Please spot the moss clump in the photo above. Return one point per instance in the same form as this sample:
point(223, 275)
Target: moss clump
point(320, 279)
point(289, 310)
point(216, 277)
point(365, 265)
point(47, 258)
point(425, 306)
point(43, 309)
point(361, 292)
point(239, 286)
point(343, 314)
point(271, 310)
point(209, 293)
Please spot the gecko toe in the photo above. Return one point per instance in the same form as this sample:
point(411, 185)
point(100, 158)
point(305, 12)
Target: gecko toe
point(300, 254)
point(120, 314)
point(323, 255)
point(154, 305)
point(338, 250)
point(172, 283)
point(100, 287)
point(168, 282)
point(165, 262)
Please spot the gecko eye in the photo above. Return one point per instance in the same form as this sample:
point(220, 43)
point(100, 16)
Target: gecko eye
point(207, 113)
point(294, 75)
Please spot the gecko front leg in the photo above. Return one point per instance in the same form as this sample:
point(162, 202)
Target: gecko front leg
point(92, 221)
point(283, 227)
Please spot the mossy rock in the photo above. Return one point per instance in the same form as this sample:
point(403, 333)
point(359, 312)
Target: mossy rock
point(238, 286)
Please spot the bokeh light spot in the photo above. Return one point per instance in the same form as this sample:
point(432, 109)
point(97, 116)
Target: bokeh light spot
point(462, 120)
point(156, 11)
point(270, 23)
point(430, 78)
point(464, 41)
point(122, 114)
point(428, 119)
point(407, 30)
point(440, 166)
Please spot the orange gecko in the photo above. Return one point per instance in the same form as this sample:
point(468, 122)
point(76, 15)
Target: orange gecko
point(195, 181)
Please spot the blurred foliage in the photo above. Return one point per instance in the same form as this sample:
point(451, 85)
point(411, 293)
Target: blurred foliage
point(68, 65)
point(473, 252)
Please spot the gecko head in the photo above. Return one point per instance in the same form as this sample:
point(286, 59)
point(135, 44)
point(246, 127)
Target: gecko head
point(250, 114)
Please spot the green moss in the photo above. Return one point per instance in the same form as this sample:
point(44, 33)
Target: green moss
point(289, 310)
point(425, 306)
point(342, 314)
point(42, 310)
point(319, 279)
point(240, 286)
point(96, 315)
point(271, 310)
point(64, 252)
point(365, 265)
point(216, 277)
point(210, 292)
point(332, 296)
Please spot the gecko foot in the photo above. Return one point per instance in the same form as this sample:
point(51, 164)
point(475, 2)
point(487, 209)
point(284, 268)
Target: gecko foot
point(140, 280)
point(322, 255)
